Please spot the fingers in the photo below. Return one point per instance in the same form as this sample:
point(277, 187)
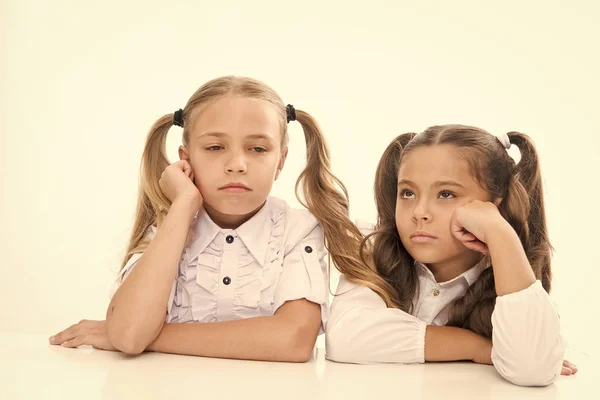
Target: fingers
point(183, 165)
point(480, 247)
point(189, 173)
point(570, 365)
point(566, 371)
point(84, 333)
point(477, 245)
point(187, 168)
point(73, 331)
point(466, 236)
point(568, 368)
point(75, 342)
point(469, 240)
point(65, 335)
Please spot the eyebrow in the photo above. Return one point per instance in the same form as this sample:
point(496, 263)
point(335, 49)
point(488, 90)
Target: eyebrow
point(221, 134)
point(215, 134)
point(437, 184)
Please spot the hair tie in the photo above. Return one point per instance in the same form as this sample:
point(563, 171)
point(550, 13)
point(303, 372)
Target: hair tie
point(505, 140)
point(178, 118)
point(291, 113)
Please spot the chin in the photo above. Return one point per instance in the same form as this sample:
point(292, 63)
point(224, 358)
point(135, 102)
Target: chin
point(426, 256)
point(233, 206)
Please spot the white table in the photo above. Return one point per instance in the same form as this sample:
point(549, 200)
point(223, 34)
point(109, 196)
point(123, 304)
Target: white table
point(30, 368)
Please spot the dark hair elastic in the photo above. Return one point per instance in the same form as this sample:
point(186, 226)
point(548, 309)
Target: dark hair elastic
point(178, 118)
point(291, 113)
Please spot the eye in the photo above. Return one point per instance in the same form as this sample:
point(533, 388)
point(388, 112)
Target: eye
point(214, 148)
point(407, 194)
point(444, 194)
point(259, 149)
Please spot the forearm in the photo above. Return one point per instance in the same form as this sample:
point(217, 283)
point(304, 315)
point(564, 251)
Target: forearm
point(262, 338)
point(512, 271)
point(447, 343)
point(137, 310)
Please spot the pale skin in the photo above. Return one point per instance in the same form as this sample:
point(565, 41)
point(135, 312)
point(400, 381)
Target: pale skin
point(439, 198)
point(232, 140)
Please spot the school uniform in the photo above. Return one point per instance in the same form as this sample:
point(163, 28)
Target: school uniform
point(276, 256)
point(527, 345)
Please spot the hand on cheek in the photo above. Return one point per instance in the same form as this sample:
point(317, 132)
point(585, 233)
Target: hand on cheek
point(471, 221)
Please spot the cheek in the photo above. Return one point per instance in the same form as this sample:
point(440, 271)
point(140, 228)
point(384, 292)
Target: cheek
point(198, 161)
point(446, 212)
point(202, 175)
point(268, 168)
point(403, 220)
point(444, 219)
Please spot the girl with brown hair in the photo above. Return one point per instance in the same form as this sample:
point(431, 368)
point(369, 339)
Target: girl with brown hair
point(211, 246)
point(458, 266)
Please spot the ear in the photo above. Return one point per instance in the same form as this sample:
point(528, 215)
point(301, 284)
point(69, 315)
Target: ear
point(184, 153)
point(498, 201)
point(284, 154)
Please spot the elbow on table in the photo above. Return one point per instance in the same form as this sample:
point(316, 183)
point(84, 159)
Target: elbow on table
point(301, 345)
point(531, 377)
point(530, 372)
point(126, 338)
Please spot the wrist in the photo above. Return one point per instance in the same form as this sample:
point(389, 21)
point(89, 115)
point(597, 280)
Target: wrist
point(472, 344)
point(187, 204)
point(499, 231)
point(479, 348)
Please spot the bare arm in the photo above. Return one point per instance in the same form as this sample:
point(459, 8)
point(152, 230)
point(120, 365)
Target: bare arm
point(136, 312)
point(512, 271)
point(480, 227)
point(289, 335)
point(447, 343)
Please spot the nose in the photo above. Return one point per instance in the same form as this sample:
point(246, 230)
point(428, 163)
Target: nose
point(236, 163)
point(421, 212)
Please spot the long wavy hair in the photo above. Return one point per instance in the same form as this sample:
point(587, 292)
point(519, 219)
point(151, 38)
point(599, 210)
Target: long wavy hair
point(520, 187)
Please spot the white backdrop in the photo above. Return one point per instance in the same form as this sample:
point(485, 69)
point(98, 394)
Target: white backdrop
point(83, 81)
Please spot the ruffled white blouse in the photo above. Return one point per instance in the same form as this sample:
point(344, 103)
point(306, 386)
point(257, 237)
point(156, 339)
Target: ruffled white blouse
point(278, 255)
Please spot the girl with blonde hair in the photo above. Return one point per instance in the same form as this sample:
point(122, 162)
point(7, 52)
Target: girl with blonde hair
point(216, 266)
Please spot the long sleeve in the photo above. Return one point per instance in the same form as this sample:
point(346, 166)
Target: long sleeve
point(528, 349)
point(362, 330)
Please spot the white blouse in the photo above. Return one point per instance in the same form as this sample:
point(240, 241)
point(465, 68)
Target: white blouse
point(527, 345)
point(225, 274)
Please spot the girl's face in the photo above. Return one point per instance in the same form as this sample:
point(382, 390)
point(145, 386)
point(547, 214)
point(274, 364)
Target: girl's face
point(432, 182)
point(235, 152)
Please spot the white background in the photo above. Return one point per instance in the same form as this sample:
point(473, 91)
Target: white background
point(83, 81)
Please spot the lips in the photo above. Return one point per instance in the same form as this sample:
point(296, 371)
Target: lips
point(422, 235)
point(235, 186)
